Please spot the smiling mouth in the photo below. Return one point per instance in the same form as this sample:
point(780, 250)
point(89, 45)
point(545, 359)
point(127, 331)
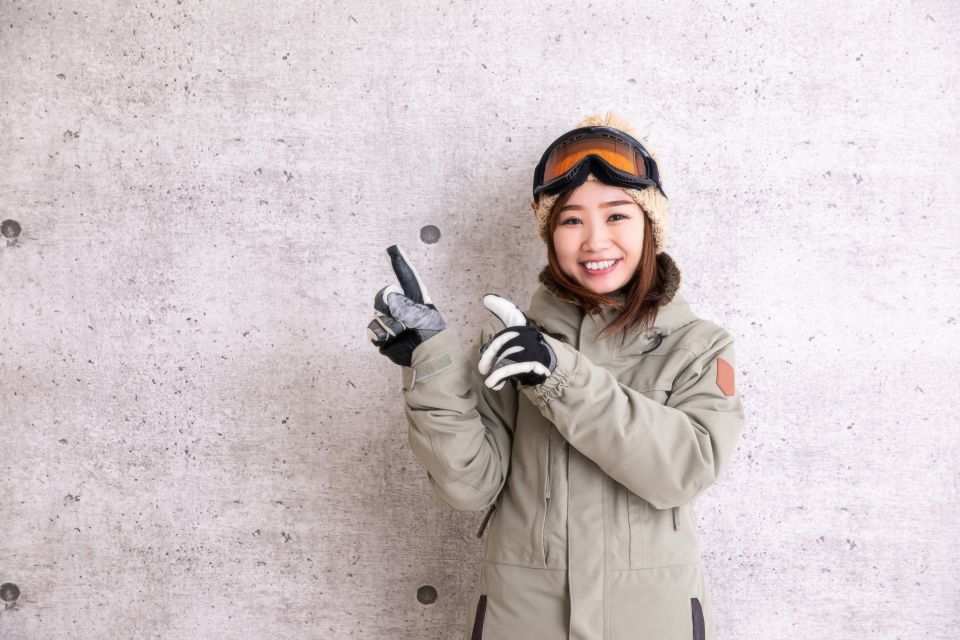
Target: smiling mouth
point(600, 272)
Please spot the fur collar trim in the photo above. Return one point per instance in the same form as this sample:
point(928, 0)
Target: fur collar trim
point(671, 282)
point(553, 312)
point(553, 309)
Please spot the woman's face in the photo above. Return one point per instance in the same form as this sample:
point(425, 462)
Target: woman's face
point(599, 223)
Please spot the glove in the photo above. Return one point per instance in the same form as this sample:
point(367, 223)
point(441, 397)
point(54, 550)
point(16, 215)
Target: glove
point(518, 351)
point(404, 317)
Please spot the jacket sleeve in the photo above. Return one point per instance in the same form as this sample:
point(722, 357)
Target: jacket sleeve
point(667, 454)
point(460, 430)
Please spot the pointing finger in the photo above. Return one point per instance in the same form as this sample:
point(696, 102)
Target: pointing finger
point(413, 286)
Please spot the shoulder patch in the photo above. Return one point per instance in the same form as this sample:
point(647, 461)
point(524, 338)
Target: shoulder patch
point(725, 377)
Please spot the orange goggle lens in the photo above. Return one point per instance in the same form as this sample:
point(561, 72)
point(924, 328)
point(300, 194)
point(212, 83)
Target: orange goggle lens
point(618, 154)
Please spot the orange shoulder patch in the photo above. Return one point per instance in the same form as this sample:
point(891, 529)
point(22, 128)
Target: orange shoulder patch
point(725, 377)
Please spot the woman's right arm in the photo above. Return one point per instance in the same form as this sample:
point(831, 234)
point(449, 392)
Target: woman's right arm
point(460, 430)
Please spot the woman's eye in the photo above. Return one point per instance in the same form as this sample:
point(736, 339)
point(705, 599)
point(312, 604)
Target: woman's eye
point(614, 216)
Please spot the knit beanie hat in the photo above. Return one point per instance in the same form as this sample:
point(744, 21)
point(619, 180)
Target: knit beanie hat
point(653, 203)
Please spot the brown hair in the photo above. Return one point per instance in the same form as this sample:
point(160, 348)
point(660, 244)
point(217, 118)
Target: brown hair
point(644, 292)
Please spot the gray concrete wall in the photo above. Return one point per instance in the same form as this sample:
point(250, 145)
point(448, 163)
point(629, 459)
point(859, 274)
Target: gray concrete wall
point(197, 442)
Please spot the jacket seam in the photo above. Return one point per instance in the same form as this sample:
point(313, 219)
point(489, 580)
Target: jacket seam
point(662, 566)
point(523, 566)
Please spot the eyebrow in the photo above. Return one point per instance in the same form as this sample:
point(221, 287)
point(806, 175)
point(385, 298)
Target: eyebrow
point(612, 203)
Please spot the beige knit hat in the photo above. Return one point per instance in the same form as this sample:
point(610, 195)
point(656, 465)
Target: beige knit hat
point(650, 200)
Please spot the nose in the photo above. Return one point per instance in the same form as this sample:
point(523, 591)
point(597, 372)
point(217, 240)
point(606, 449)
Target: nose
point(596, 238)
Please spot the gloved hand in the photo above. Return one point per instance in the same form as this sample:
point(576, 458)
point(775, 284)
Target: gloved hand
point(405, 316)
point(518, 351)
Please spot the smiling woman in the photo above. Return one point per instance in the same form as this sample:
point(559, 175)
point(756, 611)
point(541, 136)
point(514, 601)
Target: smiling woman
point(586, 455)
point(598, 237)
point(607, 216)
point(592, 223)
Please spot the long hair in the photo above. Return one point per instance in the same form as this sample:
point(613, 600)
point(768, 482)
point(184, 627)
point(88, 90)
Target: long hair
point(644, 292)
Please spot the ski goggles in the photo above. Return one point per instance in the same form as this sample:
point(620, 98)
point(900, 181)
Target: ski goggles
point(614, 157)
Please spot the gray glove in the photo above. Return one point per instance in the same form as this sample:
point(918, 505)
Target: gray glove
point(405, 316)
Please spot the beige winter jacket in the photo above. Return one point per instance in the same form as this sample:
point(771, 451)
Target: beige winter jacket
point(590, 478)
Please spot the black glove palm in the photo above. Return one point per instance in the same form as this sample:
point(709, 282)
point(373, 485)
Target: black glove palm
point(518, 351)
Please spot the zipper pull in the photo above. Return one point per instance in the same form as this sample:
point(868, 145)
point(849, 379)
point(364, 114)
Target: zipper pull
point(676, 517)
point(486, 519)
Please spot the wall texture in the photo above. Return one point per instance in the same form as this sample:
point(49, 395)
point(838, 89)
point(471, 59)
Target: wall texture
point(196, 440)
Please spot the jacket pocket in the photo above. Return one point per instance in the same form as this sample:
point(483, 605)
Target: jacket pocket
point(699, 631)
point(478, 618)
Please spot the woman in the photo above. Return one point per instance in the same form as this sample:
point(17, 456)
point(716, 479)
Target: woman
point(587, 451)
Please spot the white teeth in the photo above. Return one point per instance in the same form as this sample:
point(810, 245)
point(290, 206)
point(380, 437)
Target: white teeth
point(599, 266)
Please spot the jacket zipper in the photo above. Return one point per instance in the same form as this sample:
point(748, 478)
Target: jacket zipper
point(546, 491)
point(546, 504)
point(676, 518)
point(486, 519)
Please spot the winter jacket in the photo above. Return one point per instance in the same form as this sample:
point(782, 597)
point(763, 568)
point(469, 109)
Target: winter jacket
point(589, 479)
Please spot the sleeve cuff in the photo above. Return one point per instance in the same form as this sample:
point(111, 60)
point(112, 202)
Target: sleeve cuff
point(568, 363)
point(435, 354)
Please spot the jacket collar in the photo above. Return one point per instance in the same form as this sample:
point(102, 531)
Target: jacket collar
point(556, 311)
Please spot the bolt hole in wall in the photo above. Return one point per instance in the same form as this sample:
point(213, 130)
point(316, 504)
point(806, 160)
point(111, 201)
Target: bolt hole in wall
point(9, 593)
point(11, 229)
point(430, 234)
point(426, 594)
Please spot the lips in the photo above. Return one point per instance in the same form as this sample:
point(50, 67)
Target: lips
point(600, 272)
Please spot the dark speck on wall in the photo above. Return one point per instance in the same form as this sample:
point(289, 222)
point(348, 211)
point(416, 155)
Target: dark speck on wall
point(426, 594)
point(430, 234)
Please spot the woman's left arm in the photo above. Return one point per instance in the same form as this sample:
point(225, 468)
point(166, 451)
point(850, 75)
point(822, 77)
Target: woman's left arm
point(666, 454)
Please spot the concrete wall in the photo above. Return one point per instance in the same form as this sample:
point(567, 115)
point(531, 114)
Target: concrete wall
point(196, 440)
